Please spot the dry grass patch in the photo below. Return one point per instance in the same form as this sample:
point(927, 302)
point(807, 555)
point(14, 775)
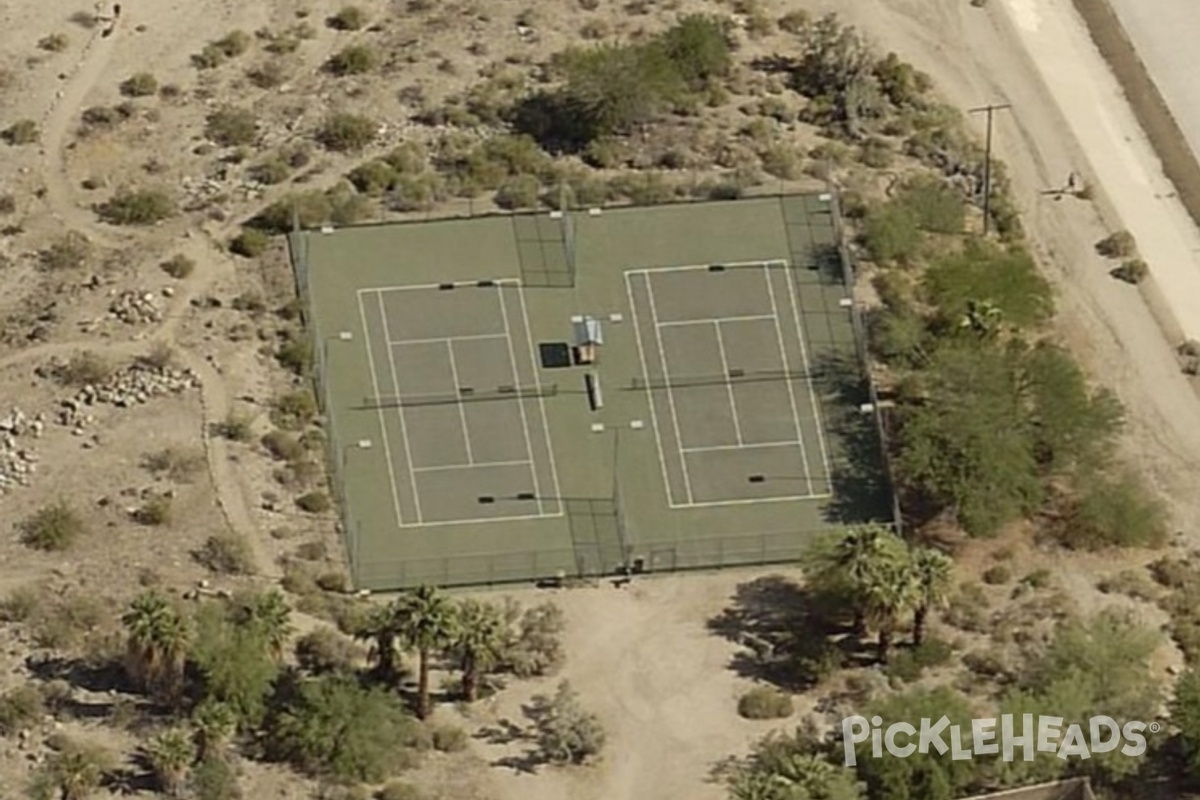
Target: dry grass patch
point(177, 464)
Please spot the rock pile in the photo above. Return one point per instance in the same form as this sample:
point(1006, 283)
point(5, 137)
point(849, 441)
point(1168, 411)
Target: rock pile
point(135, 308)
point(17, 461)
point(129, 387)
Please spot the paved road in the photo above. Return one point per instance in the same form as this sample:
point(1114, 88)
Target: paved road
point(1166, 34)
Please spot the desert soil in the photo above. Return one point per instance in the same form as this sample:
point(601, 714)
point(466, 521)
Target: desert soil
point(640, 656)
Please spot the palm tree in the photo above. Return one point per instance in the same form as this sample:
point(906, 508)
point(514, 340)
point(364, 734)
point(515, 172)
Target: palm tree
point(214, 723)
point(171, 755)
point(425, 622)
point(856, 558)
point(271, 613)
point(76, 772)
point(932, 568)
point(890, 591)
point(157, 645)
point(379, 628)
point(478, 643)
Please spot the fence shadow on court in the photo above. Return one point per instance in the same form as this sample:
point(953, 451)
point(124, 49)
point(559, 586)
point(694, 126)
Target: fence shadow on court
point(862, 491)
point(791, 636)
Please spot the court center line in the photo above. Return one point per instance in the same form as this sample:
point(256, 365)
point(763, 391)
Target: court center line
point(791, 392)
point(440, 339)
point(637, 333)
point(462, 407)
point(737, 425)
point(387, 448)
point(793, 292)
point(662, 354)
point(706, 320)
point(738, 446)
point(479, 520)
point(537, 382)
point(400, 412)
point(512, 368)
point(473, 465)
point(695, 267)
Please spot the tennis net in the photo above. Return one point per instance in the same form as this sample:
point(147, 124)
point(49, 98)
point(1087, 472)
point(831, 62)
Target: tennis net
point(463, 395)
point(733, 376)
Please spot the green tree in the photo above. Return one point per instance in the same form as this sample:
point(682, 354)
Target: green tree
point(890, 591)
point(156, 645)
point(478, 643)
point(1074, 425)
point(379, 628)
point(848, 565)
point(426, 622)
point(1185, 714)
point(233, 656)
point(698, 46)
point(333, 726)
point(214, 723)
point(566, 732)
point(794, 766)
point(932, 570)
point(270, 615)
point(968, 446)
point(1005, 277)
point(171, 755)
point(619, 87)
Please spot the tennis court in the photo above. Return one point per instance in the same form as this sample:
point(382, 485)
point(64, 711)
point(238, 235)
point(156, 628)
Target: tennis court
point(726, 365)
point(460, 404)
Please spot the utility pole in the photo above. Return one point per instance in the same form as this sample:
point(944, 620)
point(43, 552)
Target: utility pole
point(987, 161)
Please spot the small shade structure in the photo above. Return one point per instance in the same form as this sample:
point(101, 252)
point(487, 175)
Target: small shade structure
point(588, 332)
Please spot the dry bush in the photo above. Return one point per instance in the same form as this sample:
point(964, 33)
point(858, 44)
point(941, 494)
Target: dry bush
point(142, 84)
point(267, 75)
point(71, 251)
point(54, 43)
point(1118, 245)
point(347, 132)
point(160, 356)
point(52, 528)
point(85, 368)
point(765, 702)
point(314, 502)
point(283, 446)
point(156, 511)
point(137, 207)
point(251, 243)
point(226, 554)
point(22, 132)
point(349, 18)
point(357, 59)
point(232, 127)
point(178, 266)
point(1134, 271)
point(235, 428)
point(174, 463)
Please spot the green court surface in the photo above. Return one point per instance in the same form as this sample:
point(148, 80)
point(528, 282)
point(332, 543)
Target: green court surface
point(467, 450)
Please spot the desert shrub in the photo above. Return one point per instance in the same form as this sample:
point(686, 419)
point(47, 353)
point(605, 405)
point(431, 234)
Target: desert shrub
point(8, 203)
point(968, 610)
point(323, 651)
point(283, 446)
point(794, 21)
point(314, 502)
point(85, 368)
point(296, 355)
point(20, 604)
point(416, 192)
point(68, 621)
point(567, 734)
point(20, 708)
point(909, 664)
point(175, 463)
point(54, 527)
point(373, 178)
point(209, 57)
point(137, 207)
point(1007, 278)
point(178, 266)
point(348, 18)
point(782, 161)
point(272, 171)
point(226, 554)
point(1038, 579)
point(100, 117)
point(520, 191)
point(230, 126)
point(877, 153)
point(141, 84)
point(534, 644)
point(1130, 582)
point(234, 427)
point(54, 42)
point(765, 702)
point(643, 188)
point(989, 663)
point(347, 132)
point(267, 75)
point(1132, 271)
point(1118, 245)
point(294, 410)
point(891, 233)
point(70, 251)
point(936, 205)
point(160, 356)
point(997, 574)
point(155, 511)
point(1113, 511)
point(448, 738)
point(21, 132)
point(233, 44)
point(356, 59)
point(251, 243)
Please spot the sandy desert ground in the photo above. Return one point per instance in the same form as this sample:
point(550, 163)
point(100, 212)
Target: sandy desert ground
point(640, 656)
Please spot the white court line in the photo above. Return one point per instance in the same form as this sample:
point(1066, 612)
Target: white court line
point(737, 426)
point(662, 455)
point(462, 413)
point(400, 413)
point(478, 520)
point(662, 354)
point(473, 465)
point(440, 339)
point(791, 392)
point(737, 446)
point(512, 368)
point(793, 291)
point(704, 320)
point(692, 267)
point(537, 381)
point(387, 449)
point(749, 501)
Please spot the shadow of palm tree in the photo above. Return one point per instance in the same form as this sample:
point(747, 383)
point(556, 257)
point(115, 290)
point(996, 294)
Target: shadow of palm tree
point(793, 637)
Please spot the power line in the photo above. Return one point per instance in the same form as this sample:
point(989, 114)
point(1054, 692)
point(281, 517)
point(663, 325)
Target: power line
point(987, 160)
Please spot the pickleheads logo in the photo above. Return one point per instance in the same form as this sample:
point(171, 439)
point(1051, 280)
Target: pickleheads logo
point(1045, 735)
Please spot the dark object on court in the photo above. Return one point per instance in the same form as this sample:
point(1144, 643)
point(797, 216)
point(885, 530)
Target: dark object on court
point(555, 355)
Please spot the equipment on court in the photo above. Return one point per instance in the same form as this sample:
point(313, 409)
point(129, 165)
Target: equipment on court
point(463, 395)
point(733, 376)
